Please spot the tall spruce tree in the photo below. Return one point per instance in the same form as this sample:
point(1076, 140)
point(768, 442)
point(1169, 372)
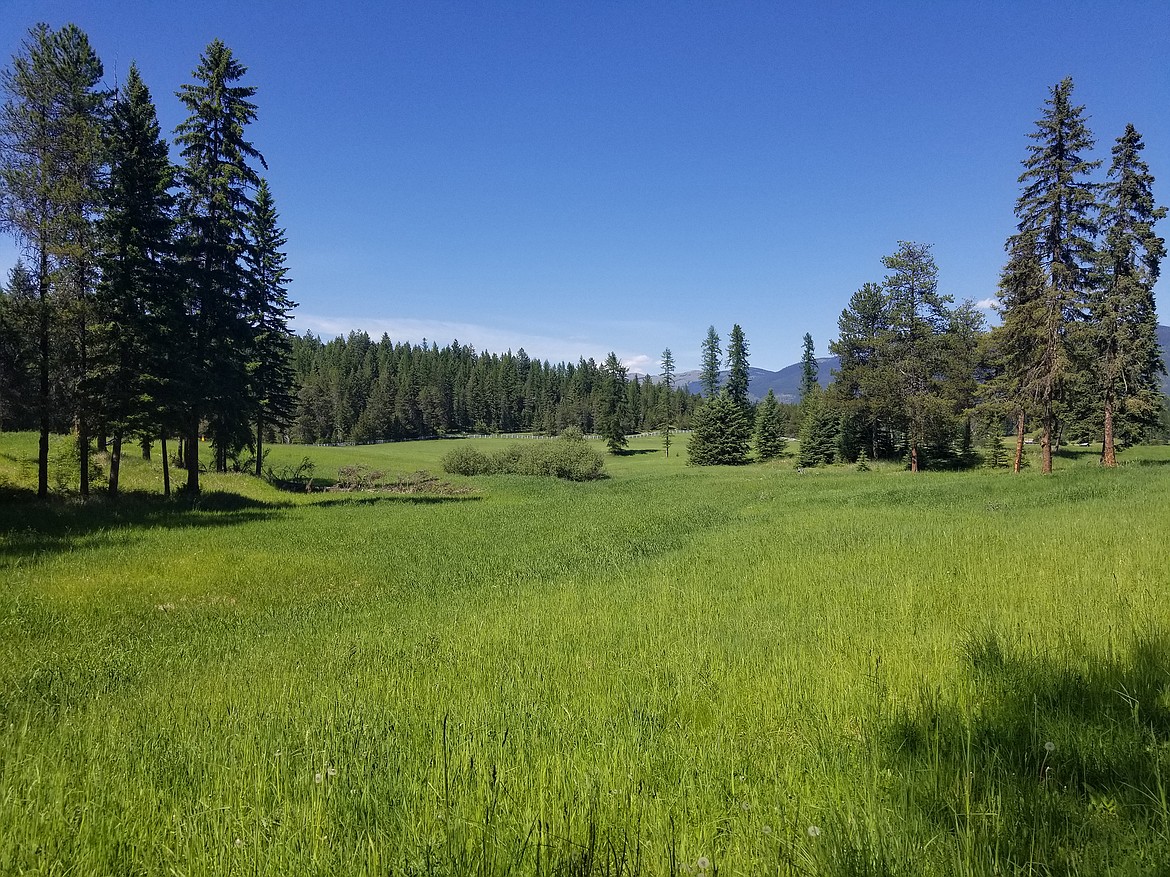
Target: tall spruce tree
point(770, 441)
point(737, 383)
point(914, 345)
point(711, 359)
point(667, 376)
point(1015, 385)
point(215, 206)
point(1123, 325)
point(808, 366)
point(18, 323)
point(720, 433)
point(137, 311)
point(268, 307)
point(49, 161)
point(1057, 210)
point(613, 403)
point(861, 387)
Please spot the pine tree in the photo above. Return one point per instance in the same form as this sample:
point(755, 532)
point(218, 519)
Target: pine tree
point(1056, 211)
point(808, 367)
point(709, 364)
point(1017, 380)
point(268, 306)
point(737, 364)
point(18, 320)
point(667, 414)
point(720, 433)
point(913, 348)
point(861, 387)
point(819, 432)
point(770, 441)
point(214, 211)
point(49, 161)
point(1123, 327)
point(137, 311)
point(613, 413)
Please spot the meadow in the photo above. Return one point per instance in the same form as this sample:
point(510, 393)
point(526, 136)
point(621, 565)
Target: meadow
point(673, 670)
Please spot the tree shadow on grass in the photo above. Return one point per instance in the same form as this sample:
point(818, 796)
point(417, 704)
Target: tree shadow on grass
point(30, 526)
point(636, 452)
point(1057, 765)
point(352, 499)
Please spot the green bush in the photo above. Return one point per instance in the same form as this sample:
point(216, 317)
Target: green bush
point(569, 457)
point(463, 460)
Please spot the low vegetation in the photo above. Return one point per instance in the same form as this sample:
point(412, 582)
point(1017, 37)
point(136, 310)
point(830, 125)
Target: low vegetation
point(732, 670)
point(568, 457)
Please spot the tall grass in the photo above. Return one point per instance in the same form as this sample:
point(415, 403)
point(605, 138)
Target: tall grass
point(674, 670)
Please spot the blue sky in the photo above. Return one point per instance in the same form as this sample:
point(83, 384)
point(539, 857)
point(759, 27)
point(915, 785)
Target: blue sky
point(574, 178)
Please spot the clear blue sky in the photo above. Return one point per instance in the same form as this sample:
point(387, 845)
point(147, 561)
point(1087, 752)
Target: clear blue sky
point(576, 177)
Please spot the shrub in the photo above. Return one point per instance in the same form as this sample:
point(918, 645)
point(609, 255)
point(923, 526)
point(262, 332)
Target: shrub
point(568, 457)
point(464, 460)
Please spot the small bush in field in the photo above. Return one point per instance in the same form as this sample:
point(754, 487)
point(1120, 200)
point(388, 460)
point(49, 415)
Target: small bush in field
point(466, 461)
point(569, 457)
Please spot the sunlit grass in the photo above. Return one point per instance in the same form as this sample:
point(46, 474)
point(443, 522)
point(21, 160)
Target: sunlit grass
point(670, 665)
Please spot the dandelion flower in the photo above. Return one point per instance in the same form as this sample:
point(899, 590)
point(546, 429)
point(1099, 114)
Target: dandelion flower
point(703, 864)
point(331, 771)
point(317, 778)
point(814, 831)
point(239, 843)
point(1049, 746)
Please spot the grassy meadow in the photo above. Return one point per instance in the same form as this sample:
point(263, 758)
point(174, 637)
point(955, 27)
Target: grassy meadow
point(673, 670)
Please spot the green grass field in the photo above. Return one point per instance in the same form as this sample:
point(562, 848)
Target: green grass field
point(670, 671)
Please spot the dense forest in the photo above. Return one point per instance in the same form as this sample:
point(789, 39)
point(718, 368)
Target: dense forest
point(151, 303)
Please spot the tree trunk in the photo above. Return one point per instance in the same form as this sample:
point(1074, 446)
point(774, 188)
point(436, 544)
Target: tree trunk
point(145, 445)
point(1046, 442)
point(1019, 463)
point(1108, 450)
point(101, 442)
point(82, 419)
point(259, 445)
point(166, 467)
point(43, 444)
point(192, 457)
point(115, 461)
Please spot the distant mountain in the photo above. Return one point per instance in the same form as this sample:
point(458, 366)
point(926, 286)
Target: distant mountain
point(786, 382)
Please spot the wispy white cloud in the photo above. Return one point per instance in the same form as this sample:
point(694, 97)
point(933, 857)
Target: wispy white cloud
point(987, 304)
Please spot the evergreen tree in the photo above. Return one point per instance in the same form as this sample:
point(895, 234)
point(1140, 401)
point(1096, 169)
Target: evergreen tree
point(737, 364)
point(667, 415)
point(214, 209)
point(18, 319)
point(913, 348)
point(861, 388)
point(268, 307)
point(808, 367)
point(737, 384)
point(720, 433)
point(818, 432)
point(770, 441)
point(136, 307)
point(709, 364)
point(1015, 385)
point(1123, 328)
point(49, 160)
point(1056, 211)
point(612, 419)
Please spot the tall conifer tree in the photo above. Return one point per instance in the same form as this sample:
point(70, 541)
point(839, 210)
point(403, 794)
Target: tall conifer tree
point(268, 308)
point(136, 306)
point(217, 175)
point(1056, 211)
point(1123, 328)
point(709, 364)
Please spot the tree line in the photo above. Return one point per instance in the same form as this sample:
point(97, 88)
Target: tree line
point(354, 389)
point(151, 298)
